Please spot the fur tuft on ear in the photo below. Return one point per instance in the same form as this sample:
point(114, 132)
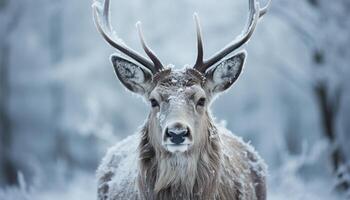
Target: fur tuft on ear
point(222, 76)
point(136, 78)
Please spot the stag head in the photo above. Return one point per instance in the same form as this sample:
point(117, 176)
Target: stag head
point(179, 98)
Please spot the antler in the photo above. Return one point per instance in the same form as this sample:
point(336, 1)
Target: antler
point(254, 14)
point(104, 27)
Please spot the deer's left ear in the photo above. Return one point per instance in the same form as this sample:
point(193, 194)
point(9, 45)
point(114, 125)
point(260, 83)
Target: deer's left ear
point(222, 76)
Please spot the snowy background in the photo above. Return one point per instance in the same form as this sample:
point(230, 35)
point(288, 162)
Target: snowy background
point(61, 105)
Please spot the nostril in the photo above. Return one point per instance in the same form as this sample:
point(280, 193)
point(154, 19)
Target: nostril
point(167, 133)
point(186, 133)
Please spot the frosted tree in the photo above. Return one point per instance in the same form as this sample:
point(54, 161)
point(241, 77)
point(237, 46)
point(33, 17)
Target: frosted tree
point(9, 18)
point(324, 29)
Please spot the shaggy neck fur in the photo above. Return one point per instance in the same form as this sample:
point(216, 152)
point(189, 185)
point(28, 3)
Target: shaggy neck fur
point(190, 175)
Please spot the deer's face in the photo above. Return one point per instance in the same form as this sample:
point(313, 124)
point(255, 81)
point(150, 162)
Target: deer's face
point(178, 110)
point(179, 100)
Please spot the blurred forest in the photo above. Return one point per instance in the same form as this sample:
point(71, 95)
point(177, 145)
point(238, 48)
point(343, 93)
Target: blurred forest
point(61, 105)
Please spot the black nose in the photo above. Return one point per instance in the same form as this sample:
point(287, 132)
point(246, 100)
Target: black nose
point(177, 136)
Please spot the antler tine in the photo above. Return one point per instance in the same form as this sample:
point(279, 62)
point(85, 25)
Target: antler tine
point(157, 64)
point(104, 27)
point(199, 61)
point(263, 11)
point(254, 14)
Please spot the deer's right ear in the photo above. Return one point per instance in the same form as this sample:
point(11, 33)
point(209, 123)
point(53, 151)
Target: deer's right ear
point(136, 78)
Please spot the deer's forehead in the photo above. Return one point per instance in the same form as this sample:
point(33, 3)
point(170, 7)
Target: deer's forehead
point(178, 84)
point(179, 78)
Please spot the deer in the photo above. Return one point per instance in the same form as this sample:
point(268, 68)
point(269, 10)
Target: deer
point(180, 152)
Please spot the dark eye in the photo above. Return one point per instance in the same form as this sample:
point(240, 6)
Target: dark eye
point(201, 102)
point(154, 103)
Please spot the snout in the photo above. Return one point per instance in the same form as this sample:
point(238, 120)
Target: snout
point(177, 137)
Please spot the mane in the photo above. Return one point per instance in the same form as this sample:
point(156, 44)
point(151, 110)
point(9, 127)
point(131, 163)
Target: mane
point(191, 175)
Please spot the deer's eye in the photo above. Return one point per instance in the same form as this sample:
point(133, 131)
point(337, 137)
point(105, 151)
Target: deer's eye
point(154, 103)
point(201, 102)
